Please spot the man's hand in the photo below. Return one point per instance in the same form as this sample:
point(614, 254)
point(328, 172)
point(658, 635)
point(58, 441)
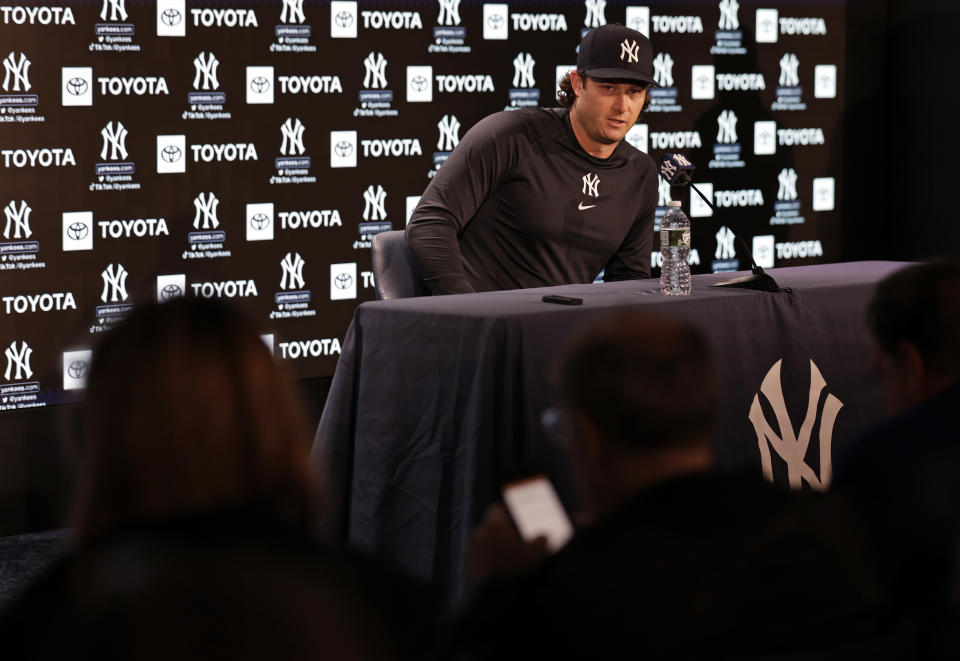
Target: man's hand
point(496, 548)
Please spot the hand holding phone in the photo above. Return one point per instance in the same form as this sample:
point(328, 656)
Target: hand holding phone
point(536, 510)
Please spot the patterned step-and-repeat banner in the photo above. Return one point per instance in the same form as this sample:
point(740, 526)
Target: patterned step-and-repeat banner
point(249, 150)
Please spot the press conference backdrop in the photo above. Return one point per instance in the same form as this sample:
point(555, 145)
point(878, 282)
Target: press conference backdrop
point(250, 150)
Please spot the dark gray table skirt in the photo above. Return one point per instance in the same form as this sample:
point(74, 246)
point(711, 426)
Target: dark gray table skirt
point(436, 401)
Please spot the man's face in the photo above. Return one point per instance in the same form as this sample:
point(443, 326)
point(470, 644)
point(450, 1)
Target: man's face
point(605, 110)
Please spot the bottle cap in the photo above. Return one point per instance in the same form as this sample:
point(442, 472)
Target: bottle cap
point(674, 203)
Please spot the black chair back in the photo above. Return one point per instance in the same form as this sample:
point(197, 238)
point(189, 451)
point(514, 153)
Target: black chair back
point(395, 270)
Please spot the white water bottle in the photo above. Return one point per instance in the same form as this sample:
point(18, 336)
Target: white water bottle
point(675, 249)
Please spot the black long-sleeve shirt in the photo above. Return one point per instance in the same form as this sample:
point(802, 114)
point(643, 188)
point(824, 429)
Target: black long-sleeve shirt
point(520, 204)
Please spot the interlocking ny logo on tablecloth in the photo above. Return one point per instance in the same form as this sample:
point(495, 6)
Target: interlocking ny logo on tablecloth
point(790, 446)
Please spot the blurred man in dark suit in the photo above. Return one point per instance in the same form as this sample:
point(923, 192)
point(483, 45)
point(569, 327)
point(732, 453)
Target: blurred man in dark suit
point(904, 475)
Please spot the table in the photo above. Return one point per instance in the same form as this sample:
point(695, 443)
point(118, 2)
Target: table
point(437, 401)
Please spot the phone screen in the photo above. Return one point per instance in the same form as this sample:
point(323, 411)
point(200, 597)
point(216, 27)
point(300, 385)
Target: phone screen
point(537, 511)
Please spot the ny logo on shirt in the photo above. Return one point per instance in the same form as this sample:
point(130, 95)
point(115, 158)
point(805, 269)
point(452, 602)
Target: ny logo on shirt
point(590, 184)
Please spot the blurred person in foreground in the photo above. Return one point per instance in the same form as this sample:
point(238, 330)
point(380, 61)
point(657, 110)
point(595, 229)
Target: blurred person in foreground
point(904, 474)
point(195, 512)
point(682, 561)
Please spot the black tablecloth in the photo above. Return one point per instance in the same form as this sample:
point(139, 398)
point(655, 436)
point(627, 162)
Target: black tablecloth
point(436, 401)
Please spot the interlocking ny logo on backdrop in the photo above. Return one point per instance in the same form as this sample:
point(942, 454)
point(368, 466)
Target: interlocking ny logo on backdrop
point(375, 65)
point(728, 15)
point(663, 192)
point(292, 137)
point(116, 9)
point(449, 127)
point(595, 13)
point(292, 12)
point(205, 66)
point(19, 219)
point(523, 70)
point(114, 141)
point(114, 283)
point(789, 65)
point(292, 271)
point(727, 127)
point(374, 203)
point(449, 12)
point(19, 359)
point(206, 211)
point(17, 70)
point(663, 70)
point(790, 446)
point(725, 239)
point(788, 184)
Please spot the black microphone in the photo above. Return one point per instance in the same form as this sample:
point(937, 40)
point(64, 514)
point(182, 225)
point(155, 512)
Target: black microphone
point(677, 170)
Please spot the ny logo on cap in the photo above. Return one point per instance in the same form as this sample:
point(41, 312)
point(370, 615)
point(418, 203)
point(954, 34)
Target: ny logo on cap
point(629, 51)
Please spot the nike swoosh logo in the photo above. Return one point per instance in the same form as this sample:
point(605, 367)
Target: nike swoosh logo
point(584, 208)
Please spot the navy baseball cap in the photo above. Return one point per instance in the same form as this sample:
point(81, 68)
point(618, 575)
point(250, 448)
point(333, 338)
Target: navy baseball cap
point(616, 52)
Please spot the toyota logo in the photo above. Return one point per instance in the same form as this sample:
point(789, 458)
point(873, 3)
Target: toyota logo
point(343, 281)
point(419, 83)
point(171, 17)
point(259, 221)
point(259, 85)
point(495, 21)
point(343, 149)
point(77, 231)
point(170, 291)
point(77, 369)
point(171, 153)
point(77, 86)
point(343, 19)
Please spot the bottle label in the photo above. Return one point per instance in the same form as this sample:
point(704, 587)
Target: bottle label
point(676, 238)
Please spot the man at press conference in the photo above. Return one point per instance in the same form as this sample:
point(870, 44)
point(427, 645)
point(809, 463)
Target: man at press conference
point(540, 197)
